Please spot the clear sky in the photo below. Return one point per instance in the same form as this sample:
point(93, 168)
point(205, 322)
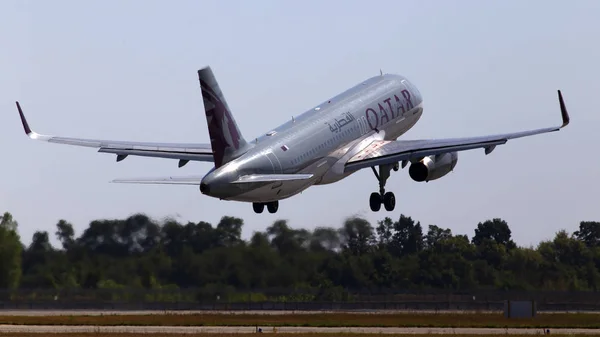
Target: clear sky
point(126, 70)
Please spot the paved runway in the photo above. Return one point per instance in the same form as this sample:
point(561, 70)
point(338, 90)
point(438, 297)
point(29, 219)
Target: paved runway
point(250, 329)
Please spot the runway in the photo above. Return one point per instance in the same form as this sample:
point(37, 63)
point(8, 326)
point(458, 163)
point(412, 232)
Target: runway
point(250, 329)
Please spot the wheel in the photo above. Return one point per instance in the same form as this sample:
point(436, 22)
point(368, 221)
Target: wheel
point(389, 201)
point(375, 201)
point(258, 207)
point(273, 206)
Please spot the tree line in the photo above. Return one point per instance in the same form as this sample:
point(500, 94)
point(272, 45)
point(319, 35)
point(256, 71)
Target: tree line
point(139, 252)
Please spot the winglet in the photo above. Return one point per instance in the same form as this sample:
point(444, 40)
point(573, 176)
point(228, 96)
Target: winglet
point(23, 120)
point(563, 110)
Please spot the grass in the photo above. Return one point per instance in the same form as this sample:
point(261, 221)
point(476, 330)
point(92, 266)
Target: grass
point(442, 320)
point(97, 334)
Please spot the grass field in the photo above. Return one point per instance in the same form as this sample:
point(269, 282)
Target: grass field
point(471, 320)
point(95, 334)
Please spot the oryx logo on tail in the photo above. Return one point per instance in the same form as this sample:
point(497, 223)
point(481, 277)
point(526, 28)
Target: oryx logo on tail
point(225, 137)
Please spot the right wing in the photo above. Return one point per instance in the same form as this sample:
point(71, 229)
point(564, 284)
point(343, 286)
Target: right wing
point(384, 152)
point(183, 152)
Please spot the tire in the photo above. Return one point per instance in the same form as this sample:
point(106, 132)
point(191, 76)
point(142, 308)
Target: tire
point(375, 202)
point(389, 201)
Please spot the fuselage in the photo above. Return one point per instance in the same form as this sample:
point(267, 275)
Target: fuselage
point(320, 140)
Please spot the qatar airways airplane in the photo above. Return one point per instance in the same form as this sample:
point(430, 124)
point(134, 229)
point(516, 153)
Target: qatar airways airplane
point(354, 130)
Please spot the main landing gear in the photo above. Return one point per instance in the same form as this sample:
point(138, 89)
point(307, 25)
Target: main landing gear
point(388, 199)
point(272, 206)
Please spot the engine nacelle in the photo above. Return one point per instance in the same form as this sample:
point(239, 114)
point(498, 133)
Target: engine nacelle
point(433, 167)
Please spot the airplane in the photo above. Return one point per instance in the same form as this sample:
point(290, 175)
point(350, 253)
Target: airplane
point(356, 129)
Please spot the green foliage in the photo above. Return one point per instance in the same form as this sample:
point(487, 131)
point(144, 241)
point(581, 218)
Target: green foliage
point(198, 261)
point(10, 252)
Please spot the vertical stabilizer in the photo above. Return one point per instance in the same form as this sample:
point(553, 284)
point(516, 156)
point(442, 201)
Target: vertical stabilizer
point(225, 137)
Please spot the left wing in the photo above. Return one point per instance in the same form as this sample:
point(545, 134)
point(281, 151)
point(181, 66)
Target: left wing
point(183, 152)
point(389, 152)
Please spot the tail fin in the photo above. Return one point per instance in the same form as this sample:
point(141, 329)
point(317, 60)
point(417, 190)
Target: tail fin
point(225, 137)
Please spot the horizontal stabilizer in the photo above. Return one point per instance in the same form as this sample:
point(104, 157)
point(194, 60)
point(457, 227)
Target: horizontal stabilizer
point(265, 178)
point(189, 180)
point(195, 180)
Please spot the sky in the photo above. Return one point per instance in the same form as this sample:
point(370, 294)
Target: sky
point(126, 70)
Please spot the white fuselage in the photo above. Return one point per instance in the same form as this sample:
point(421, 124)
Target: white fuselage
point(321, 140)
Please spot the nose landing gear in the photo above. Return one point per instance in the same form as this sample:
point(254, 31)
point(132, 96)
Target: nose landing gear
point(272, 206)
point(388, 199)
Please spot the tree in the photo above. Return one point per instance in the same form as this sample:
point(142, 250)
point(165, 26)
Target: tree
point(7, 222)
point(10, 252)
point(436, 235)
point(496, 230)
point(65, 233)
point(407, 238)
point(325, 239)
point(324, 263)
point(589, 233)
point(357, 235)
point(229, 231)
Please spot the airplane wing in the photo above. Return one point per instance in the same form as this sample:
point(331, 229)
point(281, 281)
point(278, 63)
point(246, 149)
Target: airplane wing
point(183, 152)
point(389, 152)
point(195, 180)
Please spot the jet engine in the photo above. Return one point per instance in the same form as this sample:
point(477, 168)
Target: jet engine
point(433, 167)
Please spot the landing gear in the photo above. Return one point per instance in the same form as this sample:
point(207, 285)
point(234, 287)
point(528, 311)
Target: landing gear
point(258, 207)
point(375, 202)
point(272, 206)
point(388, 199)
